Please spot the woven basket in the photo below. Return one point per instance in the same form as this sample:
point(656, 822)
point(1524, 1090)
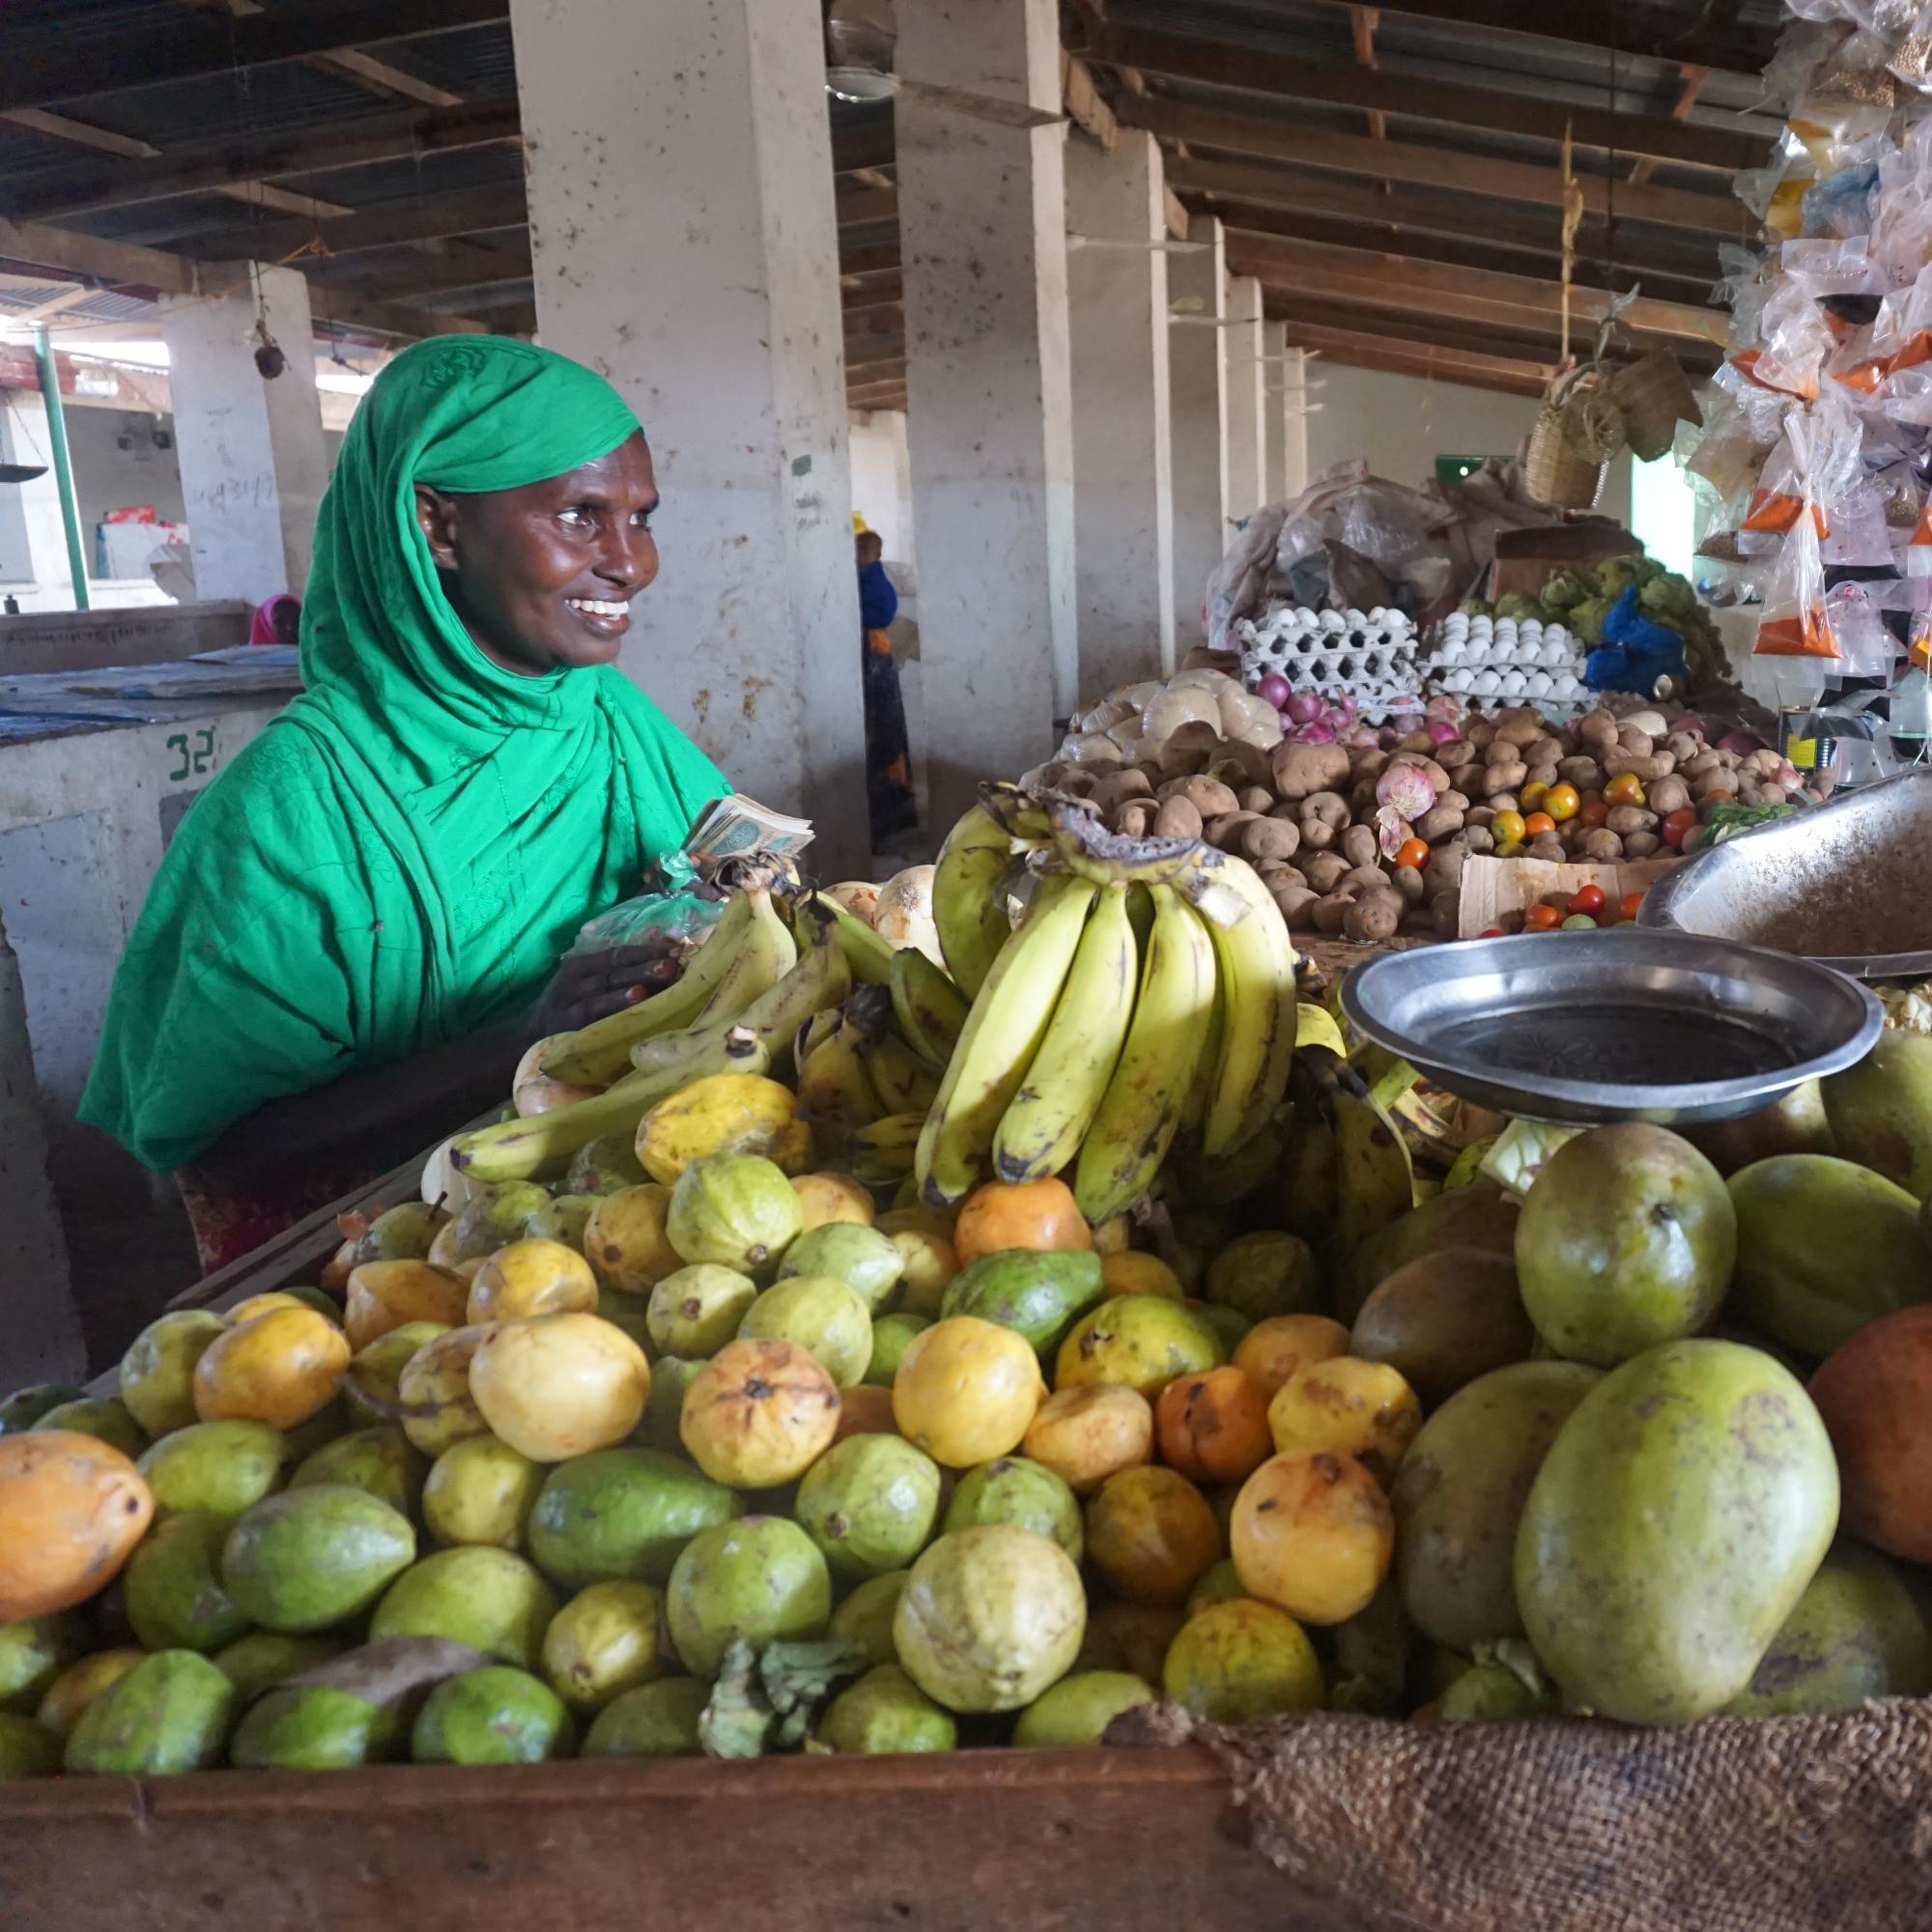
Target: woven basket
point(1654, 395)
point(1555, 472)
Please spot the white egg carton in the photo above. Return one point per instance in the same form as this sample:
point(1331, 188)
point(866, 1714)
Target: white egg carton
point(1366, 656)
point(1502, 657)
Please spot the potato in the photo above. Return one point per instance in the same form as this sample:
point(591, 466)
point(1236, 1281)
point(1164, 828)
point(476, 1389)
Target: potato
point(1481, 733)
point(1585, 774)
point(1437, 824)
point(1452, 753)
point(1479, 818)
point(1597, 728)
point(1135, 819)
point(1657, 765)
point(1223, 833)
point(1263, 839)
point(1375, 916)
point(1683, 746)
point(1358, 845)
point(1503, 778)
point(1772, 794)
point(1503, 801)
point(1547, 846)
point(1326, 871)
point(1188, 747)
point(1316, 836)
point(1445, 913)
point(1641, 846)
point(1407, 882)
point(1623, 818)
point(1329, 806)
point(1296, 903)
point(1767, 761)
point(1668, 795)
point(1210, 797)
point(1177, 818)
point(1444, 871)
point(1715, 784)
point(1545, 776)
point(1478, 839)
point(1467, 780)
point(1119, 786)
point(1257, 798)
point(1369, 764)
point(1457, 800)
point(1636, 743)
point(1543, 751)
point(1329, 913)
point(1704, 761)
point(1239, 763)
point(1366, 879)
point(1520, 727)
point(1602, 845)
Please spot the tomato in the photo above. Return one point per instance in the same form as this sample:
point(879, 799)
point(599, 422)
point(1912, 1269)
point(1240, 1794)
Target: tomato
point(1591, 814)
point(1507, 827)
point(1537, 824)
point(1588, 898)
point(1607, 917)
point(1578, 922)
point(1542, 919)
point(1512, 849)
point(1561, 802)
point(1627, 906)
point(1413, 852)
point(1624, 789)
point(1531, 796)
point(1678, 827)
point(1493, 932)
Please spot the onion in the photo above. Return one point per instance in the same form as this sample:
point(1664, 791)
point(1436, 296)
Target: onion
point(1743, 743)
point(1315, 734)
point(1407, 792)
point(1304, 708)
point(1273, 689)
point(1364, 738)
point(1441, 730)
point(1389, 738)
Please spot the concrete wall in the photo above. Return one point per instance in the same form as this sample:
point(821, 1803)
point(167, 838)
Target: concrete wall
point(107, 477)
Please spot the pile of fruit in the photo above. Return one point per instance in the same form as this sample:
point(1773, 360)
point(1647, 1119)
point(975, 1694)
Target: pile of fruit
point(674, 1437)
point(1368, 840)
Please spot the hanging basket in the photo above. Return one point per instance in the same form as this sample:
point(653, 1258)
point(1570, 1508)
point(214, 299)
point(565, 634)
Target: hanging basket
point(1557, 471)
point(1654, 395)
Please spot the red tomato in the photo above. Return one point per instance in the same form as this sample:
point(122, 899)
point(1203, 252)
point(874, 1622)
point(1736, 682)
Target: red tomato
point(1413, 852)
point(1627, 905)
point(1607, 917)
point(1537, 824)
point(1678, 827)
point(1587, 898)
point(1542, 918)
point(1592, 812)
point(1493, 932)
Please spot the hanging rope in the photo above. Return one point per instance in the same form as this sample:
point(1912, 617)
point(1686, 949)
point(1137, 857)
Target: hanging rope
point(1572, 220)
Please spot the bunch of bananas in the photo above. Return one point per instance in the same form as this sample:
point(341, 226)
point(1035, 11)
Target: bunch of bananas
point(1148, 993)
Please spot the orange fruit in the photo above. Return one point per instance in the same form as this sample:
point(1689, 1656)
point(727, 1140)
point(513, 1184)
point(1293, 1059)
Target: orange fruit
point(1019, 1214)
point(1213, 1427)
point(1272, 1350)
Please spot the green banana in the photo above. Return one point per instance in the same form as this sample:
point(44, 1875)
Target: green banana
point(533, 1149)
point(1008, 1020)
point(749, 948)
point(931, 1010)
point(820, 979)
point(881, 1155)
point(1374, 1182)
point(969, 896)
point(1141, 1110)
point(812, 1032)
point(1257, 964)
point(866, 954)
point(1049, 1118)
point(904, 1083)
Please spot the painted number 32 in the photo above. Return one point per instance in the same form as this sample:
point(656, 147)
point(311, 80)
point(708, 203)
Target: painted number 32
point(197, 754)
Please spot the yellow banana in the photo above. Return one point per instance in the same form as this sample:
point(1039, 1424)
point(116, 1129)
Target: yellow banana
point(820, 979)
point(905, 1083)
point(597, 1054)
point(1049, 1118)
point(1314, 1026)
point(1008, 1020)
point(881, 1155)
point(866, 954)
point(1194, 1108)
point(1374, 1182)
point(931, 1010)
point(529, 1149)
point(1256, 962)
point(834, 1087)
point(1141, 1108)
point(812, 1032)
point(969, 898)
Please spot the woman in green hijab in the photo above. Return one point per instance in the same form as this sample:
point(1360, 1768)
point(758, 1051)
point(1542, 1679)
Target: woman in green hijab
point(341, 951)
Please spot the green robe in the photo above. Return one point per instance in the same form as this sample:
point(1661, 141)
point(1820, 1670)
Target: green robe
point(403, 853)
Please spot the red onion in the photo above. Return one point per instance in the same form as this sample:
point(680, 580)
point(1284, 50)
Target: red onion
point(1389, 738)
point(1273, 689)
point(1405, 789)
point(1315, 734)
point(1304, 708)
point(1441, 730)
point(1743, 743)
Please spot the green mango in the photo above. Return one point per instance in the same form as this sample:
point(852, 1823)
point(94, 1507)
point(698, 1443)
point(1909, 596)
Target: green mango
point(622, 1513)
point(172, 1712)
point(1858, 1633)
point(311, 1727)
point(217, 1468)
point(1478, 1215)
point(1823, 1247)
point(479, 1594)
point(1459, 1495)
point(32, 1654)
point(264, 1658)
point(382, 1461)
point(493, 1715)
point(309, 1559)
point(172, 1590)
point(103, 1418)
point(1672, 1529)
point(654, 1720)
point(1036, 1294)
point(1881, 1110)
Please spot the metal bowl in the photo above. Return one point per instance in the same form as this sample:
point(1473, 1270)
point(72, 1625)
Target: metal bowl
point(1619, 1024)
point(1848, 884)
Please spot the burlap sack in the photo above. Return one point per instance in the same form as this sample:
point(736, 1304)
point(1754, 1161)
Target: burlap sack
point(1778, 1825)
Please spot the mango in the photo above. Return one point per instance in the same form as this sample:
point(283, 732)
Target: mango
point(1823, 1247)
point(1312, 1534)
point(1038, 1294)
point(493, 1715)
point(378, 1460)
point(866, 1616)
point(219, 1467)
point(1459, 1493)
point(173, 1587)
point(490, 1599)
point(170, 1713)
point(1858, 1633)
point(279, 1368)
point(1674, 1524)
point(1444, 1319)
point(310, 1559)
point(566, 1218)
point(311, 1727)
point(605, 1166)
point(25, 1407)
point(400, 1234)
point(622, 1513)
point(1626, 1241)
point(1793, 1123)
point(104, 1418)
point(1478, 1215)
point(553, 1386)
point(1881, 1111)
point(157, 1374)
point(1875, 1394)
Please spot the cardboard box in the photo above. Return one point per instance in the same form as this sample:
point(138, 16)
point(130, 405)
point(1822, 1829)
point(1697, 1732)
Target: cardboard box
point(1492, 887)
point(1528, 559)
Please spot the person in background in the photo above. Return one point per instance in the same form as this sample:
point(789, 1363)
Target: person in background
point(888, 799)
point(338, 960)
point(277, 621)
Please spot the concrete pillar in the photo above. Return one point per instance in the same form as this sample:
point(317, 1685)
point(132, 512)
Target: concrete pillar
point(1295, 421)
point(253, 462)
point(685, 243)
point(34, 563)
point(1197, 284)
point(1247, 440)
point(1275, 417)
point(1122, 456)
point(983, 242)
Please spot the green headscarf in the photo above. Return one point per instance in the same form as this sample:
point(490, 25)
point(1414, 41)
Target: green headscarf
point(402, 855)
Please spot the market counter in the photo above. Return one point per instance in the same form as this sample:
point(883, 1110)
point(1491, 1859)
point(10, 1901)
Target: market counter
point(1030, 1841)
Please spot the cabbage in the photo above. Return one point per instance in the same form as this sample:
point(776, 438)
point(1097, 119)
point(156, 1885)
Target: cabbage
point(1520, 1152)
point(1586, 621)
point(1617, 574)
point(1565, 591)
point(1667, 595)
point(1523, 607)
point(1474, 607)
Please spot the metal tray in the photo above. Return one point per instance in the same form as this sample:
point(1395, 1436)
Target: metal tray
point(1848, 884)
point(1620, 1025)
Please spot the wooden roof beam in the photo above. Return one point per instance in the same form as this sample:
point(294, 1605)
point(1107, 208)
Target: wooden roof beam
point(1718, 215)
point(1691, 84)
point(1398, 328)
point(1362, 24)
point(435, 219)
point(68, 256)
point(1085, 107)
point(441, 275)
point(1228, 64)
point(1360, 350)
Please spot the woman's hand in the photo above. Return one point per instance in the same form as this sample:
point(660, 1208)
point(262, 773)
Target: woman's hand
point(590, 986)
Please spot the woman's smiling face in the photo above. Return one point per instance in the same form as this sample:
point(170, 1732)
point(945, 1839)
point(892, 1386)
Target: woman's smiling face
point(543, 576)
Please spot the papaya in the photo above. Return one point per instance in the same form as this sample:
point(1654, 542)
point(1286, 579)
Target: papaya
point(1444, 1319)
point(1881, 1111)
point(1823, 1247)
point(1038, 1294)
point(171, 1713)
point(1671, 1530)
point(71, 1509)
